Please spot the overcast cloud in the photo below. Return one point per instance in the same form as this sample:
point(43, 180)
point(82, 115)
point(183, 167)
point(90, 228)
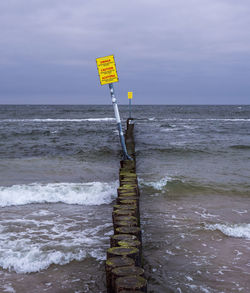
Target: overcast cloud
point(167, 52)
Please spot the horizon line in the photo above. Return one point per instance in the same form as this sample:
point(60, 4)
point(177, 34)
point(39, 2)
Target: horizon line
point(46, 104)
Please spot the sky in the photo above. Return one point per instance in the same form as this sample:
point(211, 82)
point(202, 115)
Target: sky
point(166, 52)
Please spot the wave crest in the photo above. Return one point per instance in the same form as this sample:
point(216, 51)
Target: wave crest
point(93, 193)
point(179, 186)
point(158, 185)
point(241, 147)
point(59, 120)
point(234, 230)
point(35, 260)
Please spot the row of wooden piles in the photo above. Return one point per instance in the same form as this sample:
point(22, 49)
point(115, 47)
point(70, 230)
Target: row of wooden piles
point(124, 272)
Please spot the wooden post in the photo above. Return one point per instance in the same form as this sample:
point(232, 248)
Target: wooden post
point(125, 271)
point(126, 241)
point(130, 283)
point(114, 239)
point(131, 252)
point(115, 262)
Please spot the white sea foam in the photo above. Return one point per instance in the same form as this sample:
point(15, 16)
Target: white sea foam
point(59, 120)
point(34, 259)
point(116, 132)
point(189, 278)
point(208, 119)
point(158, 185)
point(41, 213)
point(169, 129)
point(240, 212)
point(169, 252)
point(93, 193)
point(8, 288)
point(236, 230)
point(41, 243)
point(229, 119)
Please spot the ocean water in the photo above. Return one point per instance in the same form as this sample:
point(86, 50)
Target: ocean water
point(58, 178)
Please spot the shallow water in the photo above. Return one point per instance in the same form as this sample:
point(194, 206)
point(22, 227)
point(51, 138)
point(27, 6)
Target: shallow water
point(56, 248)
point(58, 178)
point(204, 247)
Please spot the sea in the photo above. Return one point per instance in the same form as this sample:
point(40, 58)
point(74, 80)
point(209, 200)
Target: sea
point(59, 167)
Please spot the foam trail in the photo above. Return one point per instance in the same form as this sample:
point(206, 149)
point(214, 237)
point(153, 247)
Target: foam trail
point(236, 230)
point(210, 119)
point(93, 193)
point(61, 243)
point(59, 120)
point(35, 260)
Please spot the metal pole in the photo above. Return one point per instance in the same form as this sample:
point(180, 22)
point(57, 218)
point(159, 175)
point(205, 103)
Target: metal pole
point(118, 121)
point(130, 108)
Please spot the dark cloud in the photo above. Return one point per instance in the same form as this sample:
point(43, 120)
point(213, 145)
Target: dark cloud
point(182, 51)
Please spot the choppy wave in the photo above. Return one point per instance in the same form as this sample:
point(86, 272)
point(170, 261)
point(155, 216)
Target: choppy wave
point(241, 147)
point(34, 260)
point(234, 230)
point(228, 119)
point(209, 119)
point(172, 150)
point(97, 152)
point(157, 185)
point(93, 193)
point(59, 120)
point(41, 243)
point(169, 184)
point(178, 186)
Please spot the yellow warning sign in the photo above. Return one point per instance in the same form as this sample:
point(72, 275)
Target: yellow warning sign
point(130, 95)
point(107, 69)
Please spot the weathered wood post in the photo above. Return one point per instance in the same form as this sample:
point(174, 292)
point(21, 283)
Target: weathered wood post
point(126, 243)
point(112, 263)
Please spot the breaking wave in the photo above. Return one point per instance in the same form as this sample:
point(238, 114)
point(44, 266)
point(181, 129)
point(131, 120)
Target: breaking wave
point(178, 186)
point(157, 185)
point(59, 243)
point(234, 230)
point(59, 120)
point(210, 119)
point(92, 193)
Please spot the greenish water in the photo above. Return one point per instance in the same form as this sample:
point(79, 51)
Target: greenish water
point(58, 178)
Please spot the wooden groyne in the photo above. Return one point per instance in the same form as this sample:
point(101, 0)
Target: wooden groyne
point(124, 272)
